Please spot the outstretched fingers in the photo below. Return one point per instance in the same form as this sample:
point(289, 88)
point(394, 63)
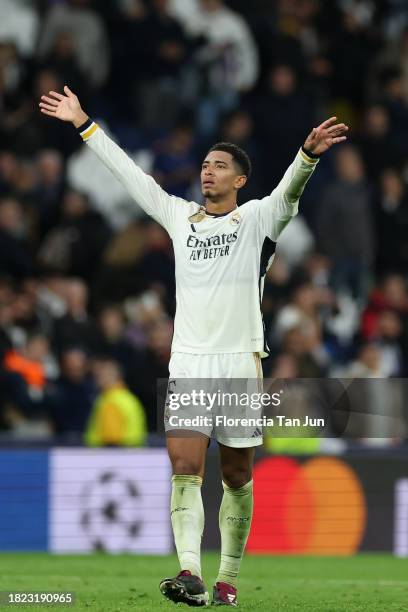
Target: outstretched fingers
point(48, 107)
point(339, 139)
point(337, 133)
point(49, 101)
point(326, 124)
point(48, 112)
point(56, 95)
point(339, 127)
point(68, 92)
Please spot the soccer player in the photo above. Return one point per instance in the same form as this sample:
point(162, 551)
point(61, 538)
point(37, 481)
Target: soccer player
point(222, 254)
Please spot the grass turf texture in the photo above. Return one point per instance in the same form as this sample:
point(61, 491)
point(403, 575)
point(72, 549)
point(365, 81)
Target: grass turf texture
point(122, 583)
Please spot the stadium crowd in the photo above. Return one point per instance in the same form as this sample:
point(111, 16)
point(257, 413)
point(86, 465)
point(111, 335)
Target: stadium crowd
point(87, 280)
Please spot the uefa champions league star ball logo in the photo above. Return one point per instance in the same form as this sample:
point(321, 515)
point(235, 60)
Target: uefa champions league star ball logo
point(111, 515)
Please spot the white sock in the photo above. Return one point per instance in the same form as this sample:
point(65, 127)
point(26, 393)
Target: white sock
point(187, 518)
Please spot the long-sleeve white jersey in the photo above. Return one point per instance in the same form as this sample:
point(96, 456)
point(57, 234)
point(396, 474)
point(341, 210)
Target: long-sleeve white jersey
point(221, 261)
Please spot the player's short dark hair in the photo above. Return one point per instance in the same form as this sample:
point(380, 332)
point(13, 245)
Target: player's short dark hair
point(239, 156)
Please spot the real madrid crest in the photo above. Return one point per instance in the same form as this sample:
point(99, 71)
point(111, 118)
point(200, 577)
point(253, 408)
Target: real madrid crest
point(235, 219)
point(198, 216)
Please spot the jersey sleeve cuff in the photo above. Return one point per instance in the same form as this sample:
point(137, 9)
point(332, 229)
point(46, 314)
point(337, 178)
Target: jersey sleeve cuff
point(87, 129)
point(307, 158)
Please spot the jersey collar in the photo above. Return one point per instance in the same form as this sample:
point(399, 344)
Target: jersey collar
point(216, 215)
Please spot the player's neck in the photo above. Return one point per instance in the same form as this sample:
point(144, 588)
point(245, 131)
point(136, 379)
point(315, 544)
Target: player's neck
point(220, 207)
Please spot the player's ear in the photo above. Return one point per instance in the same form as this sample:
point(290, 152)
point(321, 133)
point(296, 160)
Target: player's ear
point(240, 181)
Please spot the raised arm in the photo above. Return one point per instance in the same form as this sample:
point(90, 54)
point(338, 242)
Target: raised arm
point(140, 186)
point(275, 211)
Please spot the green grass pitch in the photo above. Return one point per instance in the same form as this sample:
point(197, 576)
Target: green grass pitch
point(123, 583)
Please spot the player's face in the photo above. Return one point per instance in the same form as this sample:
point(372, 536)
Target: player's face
point(219, 175)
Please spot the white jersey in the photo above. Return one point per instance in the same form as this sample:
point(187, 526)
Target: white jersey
point(221, 261)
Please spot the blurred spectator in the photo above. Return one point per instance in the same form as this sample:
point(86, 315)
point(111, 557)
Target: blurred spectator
point(156, 266)
point(337, 313)
point(305, 344)
point(28, 130)
point(62, 59)
point(393, 99)
point(367, 364)
point(395, 55)
point(25, 186)
point(23, 380)
point(50, 296)
point(238, 127)
point(395, 18)
point(391, 295)
point(285, 366)
point(117, 277)
point(113, 342)
point(363, 11)
point(77, 19)
point(301, 310)
point(73, 394)
point(129, 48)
point(298, 330)
point(392, 223)
point(29, 363)
point(14, 97)
point(376, 141)
point(19, 24)
point(49, 189)
point(389, 337)
point(118, 417)
point(9, 164)
point(76, 327)
point(227, 60)
point(166, 49)
point(295, 242)
point(185, 11)
point(144, 313)
point(15, 257)
point(74, 246)
point(26, 319)
point(283, 116)
point(376, 414)
point(152, 333)
point(175, 165)
point(352, 44)
point(345, 224)
point(6, 317)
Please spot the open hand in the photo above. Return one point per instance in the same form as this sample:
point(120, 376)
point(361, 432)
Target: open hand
point(64, 107)
point(325, 136)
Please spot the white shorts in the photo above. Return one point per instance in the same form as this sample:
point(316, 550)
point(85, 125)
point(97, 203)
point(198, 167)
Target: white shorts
point(219, 372)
